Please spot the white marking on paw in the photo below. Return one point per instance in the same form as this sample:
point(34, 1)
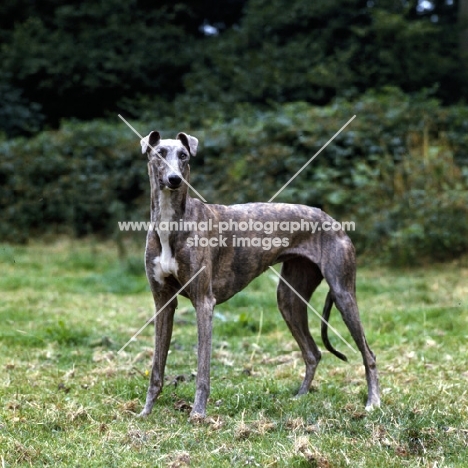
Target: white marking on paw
point(372, 406)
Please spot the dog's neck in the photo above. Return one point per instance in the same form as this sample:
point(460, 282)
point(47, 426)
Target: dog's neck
point(168, 205)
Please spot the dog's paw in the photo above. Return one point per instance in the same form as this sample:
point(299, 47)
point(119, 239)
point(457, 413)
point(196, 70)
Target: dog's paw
point(371, 406)
point(197, 418)
point(144, 413)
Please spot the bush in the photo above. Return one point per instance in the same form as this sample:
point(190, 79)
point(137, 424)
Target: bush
point(76, 180)
point(414, 212)
point(399, 170)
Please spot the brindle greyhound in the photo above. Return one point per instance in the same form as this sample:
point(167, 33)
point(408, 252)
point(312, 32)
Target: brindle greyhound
point(172, 260)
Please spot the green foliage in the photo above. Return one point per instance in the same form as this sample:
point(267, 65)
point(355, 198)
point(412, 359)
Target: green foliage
point(85, 60)
point(82, 60)
point(18, 116)
point(80, 179)
point(291, 50)
point(414, 212)
point(399, 170)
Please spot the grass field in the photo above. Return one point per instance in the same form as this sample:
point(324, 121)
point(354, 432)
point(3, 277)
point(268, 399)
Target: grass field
point(69, 399)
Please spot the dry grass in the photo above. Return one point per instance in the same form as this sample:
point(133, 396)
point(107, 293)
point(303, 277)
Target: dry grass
point(69, 399)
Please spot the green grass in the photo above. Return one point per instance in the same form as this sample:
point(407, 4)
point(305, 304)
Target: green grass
point(69, 399)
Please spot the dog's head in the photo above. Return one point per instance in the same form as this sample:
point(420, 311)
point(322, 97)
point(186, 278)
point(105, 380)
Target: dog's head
point(169, 159)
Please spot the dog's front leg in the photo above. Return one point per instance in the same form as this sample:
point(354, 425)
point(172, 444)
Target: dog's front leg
point(204, 307)
point(162, 338)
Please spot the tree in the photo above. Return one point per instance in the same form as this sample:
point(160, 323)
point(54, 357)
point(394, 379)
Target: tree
point(463, 24)
point(88, 58)
point(286, 50)
point(63, 59)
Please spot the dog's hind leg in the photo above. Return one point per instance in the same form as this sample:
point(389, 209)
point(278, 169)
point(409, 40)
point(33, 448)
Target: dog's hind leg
point(304, 276)
point(343, 292)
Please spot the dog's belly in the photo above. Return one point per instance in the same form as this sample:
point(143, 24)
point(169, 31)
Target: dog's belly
point(234, 274)
point(240, 255)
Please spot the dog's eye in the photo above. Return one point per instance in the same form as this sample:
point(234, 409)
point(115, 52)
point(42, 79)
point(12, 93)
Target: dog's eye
point(183, 156)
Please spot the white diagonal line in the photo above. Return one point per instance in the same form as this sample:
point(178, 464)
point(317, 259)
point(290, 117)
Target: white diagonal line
point(312, 158)
point(162, 159)
point(311, 308)
point(161, 309)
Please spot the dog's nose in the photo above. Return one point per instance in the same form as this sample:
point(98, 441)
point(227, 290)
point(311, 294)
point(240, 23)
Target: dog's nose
point(174, 180)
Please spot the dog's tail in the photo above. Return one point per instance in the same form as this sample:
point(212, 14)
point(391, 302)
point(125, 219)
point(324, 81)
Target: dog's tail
point(326, 315)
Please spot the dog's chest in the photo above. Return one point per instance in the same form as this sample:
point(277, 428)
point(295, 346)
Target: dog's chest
point(164, 265)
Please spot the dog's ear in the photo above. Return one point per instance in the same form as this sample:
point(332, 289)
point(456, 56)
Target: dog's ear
point(190, 142)
point(150, 141)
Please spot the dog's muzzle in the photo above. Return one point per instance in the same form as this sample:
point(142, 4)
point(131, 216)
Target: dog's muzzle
point(174, 181)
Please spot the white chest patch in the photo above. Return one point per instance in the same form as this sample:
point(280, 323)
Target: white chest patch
point(165, 264)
